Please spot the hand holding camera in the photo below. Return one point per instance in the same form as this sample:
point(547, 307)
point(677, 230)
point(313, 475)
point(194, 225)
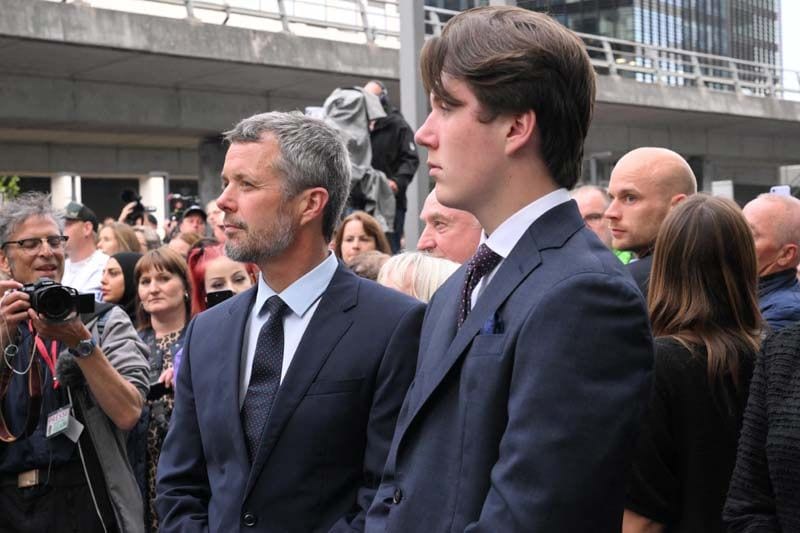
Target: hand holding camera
point(14, 306)
point(53, 308)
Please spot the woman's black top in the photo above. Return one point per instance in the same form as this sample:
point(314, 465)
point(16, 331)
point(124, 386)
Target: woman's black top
point(765, 488)
point(687, 447)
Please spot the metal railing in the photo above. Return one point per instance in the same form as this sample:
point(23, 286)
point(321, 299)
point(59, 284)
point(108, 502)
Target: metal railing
point(377, 22)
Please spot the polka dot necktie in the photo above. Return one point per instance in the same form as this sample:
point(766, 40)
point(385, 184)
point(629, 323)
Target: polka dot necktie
point(265, 377)
point(483, 262)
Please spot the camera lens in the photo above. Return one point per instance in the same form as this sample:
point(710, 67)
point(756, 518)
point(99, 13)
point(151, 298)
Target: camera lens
point(56, 303)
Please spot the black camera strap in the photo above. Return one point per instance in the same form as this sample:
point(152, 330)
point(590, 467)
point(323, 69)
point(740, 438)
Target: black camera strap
point(34, 399)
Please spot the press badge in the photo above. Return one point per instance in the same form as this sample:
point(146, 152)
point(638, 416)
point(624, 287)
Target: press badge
point(61, 421)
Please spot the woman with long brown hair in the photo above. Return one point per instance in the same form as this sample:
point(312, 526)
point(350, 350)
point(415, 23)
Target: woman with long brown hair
point(704, 313)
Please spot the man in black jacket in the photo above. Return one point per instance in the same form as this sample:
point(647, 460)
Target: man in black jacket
point(393, 153)
point(645, 184)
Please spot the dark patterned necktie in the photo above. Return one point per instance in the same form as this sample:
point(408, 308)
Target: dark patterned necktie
point(265, 377)
point(483, 262)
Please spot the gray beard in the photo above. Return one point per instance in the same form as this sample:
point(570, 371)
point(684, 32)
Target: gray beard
point(259, 246)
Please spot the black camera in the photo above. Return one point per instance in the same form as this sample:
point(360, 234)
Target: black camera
point(137, 214)
point(56, 302)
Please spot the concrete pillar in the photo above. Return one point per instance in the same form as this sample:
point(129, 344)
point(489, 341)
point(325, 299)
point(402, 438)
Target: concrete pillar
point(211, 156)
point(65, 187)
point(414, 106)
point(153, 190)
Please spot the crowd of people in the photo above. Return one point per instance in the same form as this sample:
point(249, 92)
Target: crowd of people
point(551, 357)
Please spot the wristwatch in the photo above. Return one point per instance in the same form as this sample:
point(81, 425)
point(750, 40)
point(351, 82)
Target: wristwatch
point(84, 348)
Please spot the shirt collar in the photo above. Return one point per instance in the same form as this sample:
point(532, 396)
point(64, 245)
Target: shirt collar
point(507, 234)
point(300, 295)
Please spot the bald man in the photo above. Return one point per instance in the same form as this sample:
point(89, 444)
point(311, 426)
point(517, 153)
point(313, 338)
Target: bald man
point(645, 184)
point(775, 222)
point(450, 233)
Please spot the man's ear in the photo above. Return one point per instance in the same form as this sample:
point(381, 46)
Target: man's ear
point(675, 200)
point(87, 229)
point(787, 256)
point(312, 204)
point(521, 129)
point(5, 265)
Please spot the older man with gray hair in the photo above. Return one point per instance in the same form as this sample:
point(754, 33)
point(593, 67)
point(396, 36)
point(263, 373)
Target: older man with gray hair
point(775, 222)
point(71, 387)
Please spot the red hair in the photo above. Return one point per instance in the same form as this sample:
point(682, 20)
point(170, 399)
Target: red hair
point(198, 257)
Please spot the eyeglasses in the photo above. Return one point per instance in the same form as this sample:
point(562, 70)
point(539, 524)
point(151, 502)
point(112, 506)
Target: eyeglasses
point(34, 244)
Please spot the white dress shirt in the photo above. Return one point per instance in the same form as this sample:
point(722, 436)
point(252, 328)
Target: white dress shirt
point(508, 234)
point(302, 297)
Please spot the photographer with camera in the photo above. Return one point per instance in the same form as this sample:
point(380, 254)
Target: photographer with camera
point(71, 386)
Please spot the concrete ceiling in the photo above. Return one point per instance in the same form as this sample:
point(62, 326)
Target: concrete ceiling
point(130, 67)
point(608, 114)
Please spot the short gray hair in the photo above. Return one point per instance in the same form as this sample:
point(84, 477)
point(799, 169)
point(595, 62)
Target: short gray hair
point(585, 189)
point(16, 211)
point(312, 154)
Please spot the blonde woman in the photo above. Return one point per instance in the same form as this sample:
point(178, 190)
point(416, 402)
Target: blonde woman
point(416, 274)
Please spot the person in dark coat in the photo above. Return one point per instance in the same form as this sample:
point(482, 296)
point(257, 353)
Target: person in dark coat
point(645, 184)
point(763, 495)
point(775, 222)
point(704, 312)
point(395, 154)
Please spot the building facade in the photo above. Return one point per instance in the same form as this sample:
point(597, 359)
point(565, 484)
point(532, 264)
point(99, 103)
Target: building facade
point(743, 29)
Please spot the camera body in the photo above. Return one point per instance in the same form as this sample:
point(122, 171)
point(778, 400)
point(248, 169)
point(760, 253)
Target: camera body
point(55, 301)
point(138, 211)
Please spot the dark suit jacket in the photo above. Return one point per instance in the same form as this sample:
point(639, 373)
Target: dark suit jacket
point(329, 430)
point(640, 270)
point(524, 419)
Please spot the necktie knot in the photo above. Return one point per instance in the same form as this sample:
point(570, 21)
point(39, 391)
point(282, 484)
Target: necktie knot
point(275, 306)
point(484, 261)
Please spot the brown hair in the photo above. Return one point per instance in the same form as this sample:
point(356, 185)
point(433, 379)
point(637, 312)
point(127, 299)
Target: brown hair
point(515, 60)
point(703, 283)
point(125, 236)
point(189, 237)
point(371, 228)
point(161, 259)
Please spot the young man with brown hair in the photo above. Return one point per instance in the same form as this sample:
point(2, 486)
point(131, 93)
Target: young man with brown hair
point(535, 356)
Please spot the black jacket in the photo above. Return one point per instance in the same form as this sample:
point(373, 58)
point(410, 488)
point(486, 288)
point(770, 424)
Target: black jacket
point(766, 480)
point(394, 152)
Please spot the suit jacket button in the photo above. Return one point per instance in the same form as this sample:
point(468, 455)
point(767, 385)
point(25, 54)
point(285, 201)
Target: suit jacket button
point(398, 496)
point(249, 519)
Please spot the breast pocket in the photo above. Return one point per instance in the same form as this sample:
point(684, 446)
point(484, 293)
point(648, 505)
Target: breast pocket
point(490, 345)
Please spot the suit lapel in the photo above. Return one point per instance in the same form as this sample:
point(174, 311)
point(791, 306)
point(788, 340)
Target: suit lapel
point(522, 260)
point(328, 325)
point(551, 230)
point(230, 368)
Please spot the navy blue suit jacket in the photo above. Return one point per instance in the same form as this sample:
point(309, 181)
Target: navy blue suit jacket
point(523, 420)
point(329, 431)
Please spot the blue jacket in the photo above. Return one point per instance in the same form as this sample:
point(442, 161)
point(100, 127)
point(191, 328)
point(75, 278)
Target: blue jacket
point(779, 299)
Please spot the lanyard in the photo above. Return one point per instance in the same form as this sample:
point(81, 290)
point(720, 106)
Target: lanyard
point(49, 358)
point(34, 400)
